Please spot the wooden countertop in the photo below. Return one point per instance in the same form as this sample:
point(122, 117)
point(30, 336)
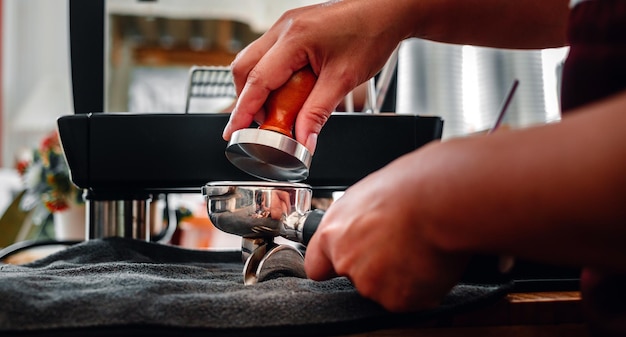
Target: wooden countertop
point(556, 313)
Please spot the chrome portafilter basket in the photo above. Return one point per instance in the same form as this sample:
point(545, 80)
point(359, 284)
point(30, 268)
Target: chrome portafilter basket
point(259, 212)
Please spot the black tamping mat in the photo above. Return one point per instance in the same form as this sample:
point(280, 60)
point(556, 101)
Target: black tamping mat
point(126, 287)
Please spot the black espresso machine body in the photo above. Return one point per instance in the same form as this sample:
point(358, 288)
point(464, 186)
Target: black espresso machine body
point(123, 153)
point(122, 161)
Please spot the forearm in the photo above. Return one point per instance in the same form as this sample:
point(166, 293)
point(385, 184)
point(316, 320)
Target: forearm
point(558, 198)
point(493, 23)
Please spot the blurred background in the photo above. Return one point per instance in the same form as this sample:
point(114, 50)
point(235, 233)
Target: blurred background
point(151, 46)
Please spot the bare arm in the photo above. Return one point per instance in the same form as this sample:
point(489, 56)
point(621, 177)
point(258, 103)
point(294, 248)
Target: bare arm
point(528, 24)
point(554, 193)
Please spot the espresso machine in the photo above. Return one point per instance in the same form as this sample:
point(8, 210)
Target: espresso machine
point(123, 160)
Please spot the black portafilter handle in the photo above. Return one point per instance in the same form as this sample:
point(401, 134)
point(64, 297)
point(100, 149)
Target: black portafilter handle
point(313, 219)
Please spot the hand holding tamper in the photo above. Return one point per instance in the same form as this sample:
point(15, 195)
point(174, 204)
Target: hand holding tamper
point(270, 152)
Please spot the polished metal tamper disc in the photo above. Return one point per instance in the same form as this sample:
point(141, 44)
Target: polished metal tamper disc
point(269, 155)
point(270, 152)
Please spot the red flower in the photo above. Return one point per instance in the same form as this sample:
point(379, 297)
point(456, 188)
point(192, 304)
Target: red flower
point(47, 177)
point(22, 166)
point(51, 142)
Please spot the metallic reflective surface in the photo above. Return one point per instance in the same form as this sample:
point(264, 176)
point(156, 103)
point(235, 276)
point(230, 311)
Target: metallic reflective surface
point(258, 212)
point(280, 261)
point(257, 248)
point(258, 209)
point(118, 218)
point(268, 260)
point(269, 155)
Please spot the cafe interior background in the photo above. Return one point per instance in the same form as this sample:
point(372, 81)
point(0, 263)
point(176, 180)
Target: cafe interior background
point(152, 45)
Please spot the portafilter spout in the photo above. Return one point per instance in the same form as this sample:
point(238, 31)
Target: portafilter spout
point(271, 152)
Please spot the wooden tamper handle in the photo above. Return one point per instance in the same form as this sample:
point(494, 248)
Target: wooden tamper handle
point(283, 104)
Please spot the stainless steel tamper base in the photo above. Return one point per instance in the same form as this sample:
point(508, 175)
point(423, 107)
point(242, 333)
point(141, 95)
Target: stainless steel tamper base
point(269, 155)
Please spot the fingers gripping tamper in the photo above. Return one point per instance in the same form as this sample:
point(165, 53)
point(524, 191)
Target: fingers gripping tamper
point(270, 152)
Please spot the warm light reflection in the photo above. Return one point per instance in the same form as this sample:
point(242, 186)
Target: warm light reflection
point(551, 59)
point(471, 104)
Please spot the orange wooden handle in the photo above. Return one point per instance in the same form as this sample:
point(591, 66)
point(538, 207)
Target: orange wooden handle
point(283, 104)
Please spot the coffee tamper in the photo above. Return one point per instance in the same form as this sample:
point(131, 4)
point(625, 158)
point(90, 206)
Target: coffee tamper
point(270, 151)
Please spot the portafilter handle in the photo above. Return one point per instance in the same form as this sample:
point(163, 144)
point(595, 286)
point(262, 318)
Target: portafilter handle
point(303, 229)
point(310, 225)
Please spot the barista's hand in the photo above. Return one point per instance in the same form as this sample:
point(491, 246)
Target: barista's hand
point(345, 43)
point(382, 240)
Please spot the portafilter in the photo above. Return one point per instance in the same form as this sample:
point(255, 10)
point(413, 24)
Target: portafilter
point(259, 212)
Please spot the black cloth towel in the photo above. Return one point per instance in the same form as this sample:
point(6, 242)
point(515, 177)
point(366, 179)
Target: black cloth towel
point(128, 287)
